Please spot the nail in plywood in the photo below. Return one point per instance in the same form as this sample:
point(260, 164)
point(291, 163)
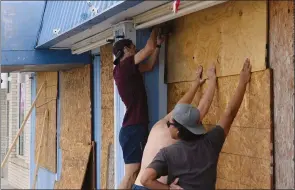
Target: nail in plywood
point(228, 32)
point(107, 115)
point(75, 126)
point(48, 155)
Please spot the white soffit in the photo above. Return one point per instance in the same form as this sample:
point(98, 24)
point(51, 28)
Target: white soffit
point(93, 42)
point(108, 23)
point(165, 12)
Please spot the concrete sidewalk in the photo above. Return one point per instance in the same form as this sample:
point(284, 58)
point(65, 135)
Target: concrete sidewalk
point(5, 185)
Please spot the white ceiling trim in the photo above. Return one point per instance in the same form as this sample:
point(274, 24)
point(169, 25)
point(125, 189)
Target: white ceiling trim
point(165, 13)
point(93, 42)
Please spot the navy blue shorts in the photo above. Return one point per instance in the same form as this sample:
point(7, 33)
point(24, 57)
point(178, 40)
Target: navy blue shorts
point(132, 139)
point(138, 187)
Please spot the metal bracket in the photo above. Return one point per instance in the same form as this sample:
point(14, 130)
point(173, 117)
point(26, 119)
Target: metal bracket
point(121, 36)
point(111, 40)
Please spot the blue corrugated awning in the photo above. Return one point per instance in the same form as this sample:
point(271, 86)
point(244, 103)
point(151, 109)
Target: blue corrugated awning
point(70, 18)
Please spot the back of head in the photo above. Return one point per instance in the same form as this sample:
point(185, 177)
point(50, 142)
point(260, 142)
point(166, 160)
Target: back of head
point(184, 134)
point(118, 49)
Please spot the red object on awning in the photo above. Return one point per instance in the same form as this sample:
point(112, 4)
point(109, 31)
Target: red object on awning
point(176, 5)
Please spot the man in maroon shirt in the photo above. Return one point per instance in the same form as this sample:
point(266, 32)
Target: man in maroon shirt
point(129, 81)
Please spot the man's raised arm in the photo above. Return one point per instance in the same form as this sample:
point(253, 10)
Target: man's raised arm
point(230, 113)
point(207, 98)
point(190, 94)
point(148, 49)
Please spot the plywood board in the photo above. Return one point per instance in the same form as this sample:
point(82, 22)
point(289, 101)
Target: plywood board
point(255, 110)
point(47, 100)
point(75, 107)
point(74, 165)
point(111, 168)
point(107, 115)
point(75, 126)
point(250, 142)
point(225, 184)
point(229, 167)
point(236, 171)
point(281, 56)
point(255, 172)
point(224, 34)
point(176, 91)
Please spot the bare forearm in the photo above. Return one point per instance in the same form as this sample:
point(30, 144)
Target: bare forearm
point(233, 108)
point(189, 95)
point(237, 99)
point(148, 49)
point(152, 41)
point(153, 59)
point(207, 98)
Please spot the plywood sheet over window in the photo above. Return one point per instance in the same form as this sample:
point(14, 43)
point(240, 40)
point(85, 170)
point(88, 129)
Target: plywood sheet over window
point(75, 140)
point(107, 117)
point(245, 161)
point(224, 34)
point(47, 100)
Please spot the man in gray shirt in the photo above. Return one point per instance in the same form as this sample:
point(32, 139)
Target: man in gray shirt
point(193, 159)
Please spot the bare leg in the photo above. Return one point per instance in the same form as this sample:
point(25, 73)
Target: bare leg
point(131, 172)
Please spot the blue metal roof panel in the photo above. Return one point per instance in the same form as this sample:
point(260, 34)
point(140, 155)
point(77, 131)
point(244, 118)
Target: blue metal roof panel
point(20, 24)
point(71, 17)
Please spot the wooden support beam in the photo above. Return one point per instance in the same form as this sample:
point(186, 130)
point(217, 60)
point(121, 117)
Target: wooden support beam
point(22, 126)
point(39, 149)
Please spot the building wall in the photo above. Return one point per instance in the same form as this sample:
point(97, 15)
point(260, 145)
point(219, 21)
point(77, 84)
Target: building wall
point(4, 128)
point(18, 166)
point(281, 55)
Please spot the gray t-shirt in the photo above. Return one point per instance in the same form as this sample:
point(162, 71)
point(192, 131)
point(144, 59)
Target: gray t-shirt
point(194, 162)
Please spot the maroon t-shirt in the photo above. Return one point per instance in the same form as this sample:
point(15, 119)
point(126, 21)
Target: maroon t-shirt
point(132, 91)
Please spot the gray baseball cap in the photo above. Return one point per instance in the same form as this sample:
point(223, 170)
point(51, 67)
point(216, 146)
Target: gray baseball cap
point(189, 117)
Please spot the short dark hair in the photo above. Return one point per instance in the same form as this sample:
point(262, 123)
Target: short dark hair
point(119, 47)
point(185, 134)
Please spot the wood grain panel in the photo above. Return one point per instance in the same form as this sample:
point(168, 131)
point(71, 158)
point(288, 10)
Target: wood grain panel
point(224, 34)
point(250, 142)
point(75, 139)
point(107, 116)
point(255, 110)
point(47, 100)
